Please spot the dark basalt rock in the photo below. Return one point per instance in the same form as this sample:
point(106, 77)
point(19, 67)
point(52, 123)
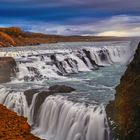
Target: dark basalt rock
point(61, 89)
point(88, 55)
point(29, 95)
point(125, 109)
point(7, 69)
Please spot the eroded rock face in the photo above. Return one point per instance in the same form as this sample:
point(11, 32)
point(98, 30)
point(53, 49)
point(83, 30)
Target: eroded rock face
point(43, 94)
point(14, 127)
point(125, 110)
point(7, 69)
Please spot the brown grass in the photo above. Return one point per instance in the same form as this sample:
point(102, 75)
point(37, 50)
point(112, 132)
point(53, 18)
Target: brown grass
point(5, 39)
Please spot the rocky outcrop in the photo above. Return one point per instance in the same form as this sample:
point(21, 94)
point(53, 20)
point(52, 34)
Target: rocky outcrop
point(125, 109)
point(13, 127)
point(60, 89)
point(7, 69)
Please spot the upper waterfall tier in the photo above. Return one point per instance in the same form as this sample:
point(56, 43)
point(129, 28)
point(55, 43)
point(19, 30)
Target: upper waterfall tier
point(43, 63)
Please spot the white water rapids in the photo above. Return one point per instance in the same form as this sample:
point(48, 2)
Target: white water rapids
point(36, 65)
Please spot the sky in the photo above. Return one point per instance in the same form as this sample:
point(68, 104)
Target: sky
point(73, 17)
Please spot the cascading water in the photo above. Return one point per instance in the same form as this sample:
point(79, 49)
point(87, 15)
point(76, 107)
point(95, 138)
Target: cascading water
point(58, 118)
point(42, 64)
point(92, 70)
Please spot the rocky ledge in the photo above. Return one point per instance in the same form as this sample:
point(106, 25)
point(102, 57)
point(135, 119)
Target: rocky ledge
point(14, 127)
point(125, 109)
point(7, 69)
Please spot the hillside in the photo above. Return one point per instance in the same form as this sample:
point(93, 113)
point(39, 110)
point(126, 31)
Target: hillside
point(14, 127)
point(14, 36)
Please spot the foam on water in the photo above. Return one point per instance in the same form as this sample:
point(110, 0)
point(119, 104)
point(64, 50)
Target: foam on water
point(38, 65)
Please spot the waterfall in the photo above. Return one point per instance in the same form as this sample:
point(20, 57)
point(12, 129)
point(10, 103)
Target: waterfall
point(44, 64)
point(58, 118)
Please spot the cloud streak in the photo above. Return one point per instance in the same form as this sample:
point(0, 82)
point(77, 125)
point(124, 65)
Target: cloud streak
point(73, 17)
point(114, 26)
point(117, 5)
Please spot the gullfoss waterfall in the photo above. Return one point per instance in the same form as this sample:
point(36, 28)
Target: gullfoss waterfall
point(93, 69)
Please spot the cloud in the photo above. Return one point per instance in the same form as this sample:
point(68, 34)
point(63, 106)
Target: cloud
point(122, 25)
point(73, 17)
point(117, 5)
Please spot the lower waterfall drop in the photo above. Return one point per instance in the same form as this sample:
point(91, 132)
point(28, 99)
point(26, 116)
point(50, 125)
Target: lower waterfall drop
point(60, 119)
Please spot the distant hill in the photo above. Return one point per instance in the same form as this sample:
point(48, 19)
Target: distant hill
point(14, 36)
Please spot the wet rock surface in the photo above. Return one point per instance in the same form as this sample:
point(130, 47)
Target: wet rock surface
point(60, 89)
point(13, 127)
point(125, 109)
point(7, 69)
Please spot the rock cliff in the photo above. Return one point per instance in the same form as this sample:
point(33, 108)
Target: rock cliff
point(125, 109)
point(7, 69)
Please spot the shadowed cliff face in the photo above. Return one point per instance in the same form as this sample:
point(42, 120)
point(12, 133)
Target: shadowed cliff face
point(7, 69)
point(125, 110)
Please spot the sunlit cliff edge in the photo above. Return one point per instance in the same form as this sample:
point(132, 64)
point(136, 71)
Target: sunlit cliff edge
point(14, 36)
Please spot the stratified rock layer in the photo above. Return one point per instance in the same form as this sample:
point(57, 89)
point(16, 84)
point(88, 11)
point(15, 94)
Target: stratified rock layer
point(13, 127)
point(7, 69)
point(125, 110)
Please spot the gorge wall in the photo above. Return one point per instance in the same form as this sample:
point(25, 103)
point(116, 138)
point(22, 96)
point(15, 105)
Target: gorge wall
point(125, 109)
